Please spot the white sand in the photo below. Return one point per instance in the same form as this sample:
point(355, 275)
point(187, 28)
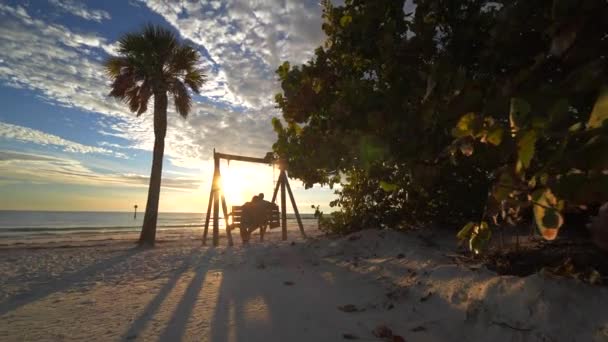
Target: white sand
point(109, 291)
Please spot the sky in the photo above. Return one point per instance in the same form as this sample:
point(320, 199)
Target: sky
point(66, 145)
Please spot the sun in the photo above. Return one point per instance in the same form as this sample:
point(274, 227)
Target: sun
point(232, 188)
point(241, 181)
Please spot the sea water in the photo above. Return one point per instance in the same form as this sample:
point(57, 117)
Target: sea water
point(24, 224)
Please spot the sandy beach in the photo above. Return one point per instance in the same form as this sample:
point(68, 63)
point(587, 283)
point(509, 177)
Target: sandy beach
point(319, 289)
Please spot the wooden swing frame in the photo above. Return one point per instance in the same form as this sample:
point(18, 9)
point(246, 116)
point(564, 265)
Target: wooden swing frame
point(216, 195)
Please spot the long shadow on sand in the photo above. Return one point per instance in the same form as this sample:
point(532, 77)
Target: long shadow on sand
point(284, 301)
point(69, 280)
point(186, 304)
point(177, 325)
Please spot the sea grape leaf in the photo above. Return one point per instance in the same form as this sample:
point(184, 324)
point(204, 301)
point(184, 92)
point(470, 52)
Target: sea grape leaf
point(518, 113)
point(503, 188)
point(465, 232)
point(388, 187)
point(525, 149)
point(548, 218)
point(464, 127)
point(494, 136)
point(576, 127)
point(480, 237)
point(600, 110)
point(345, 20)
point(467, 149)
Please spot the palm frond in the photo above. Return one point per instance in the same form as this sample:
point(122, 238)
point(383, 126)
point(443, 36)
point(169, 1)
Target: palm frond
point(144, 95)
point(182, 99)
point(122, 84)
point(132, 99)
point(153, 60)
point(195, 80)
point(184, 58)
point(114, 66)
point(161, 40)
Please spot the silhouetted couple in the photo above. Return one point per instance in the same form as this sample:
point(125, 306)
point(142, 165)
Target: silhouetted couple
point(255, 214)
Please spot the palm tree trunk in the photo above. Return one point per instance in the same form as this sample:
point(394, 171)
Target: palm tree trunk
point(148, 230)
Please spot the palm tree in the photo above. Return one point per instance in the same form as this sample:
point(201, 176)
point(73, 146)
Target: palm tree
point(152, 62)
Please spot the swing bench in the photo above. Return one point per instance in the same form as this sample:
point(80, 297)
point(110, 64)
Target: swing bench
point(271, 220)
point(274, 217)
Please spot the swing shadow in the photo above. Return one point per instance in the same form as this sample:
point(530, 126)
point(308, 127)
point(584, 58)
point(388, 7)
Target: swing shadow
point(68, 281)
point(259, 307)
point(185, 305)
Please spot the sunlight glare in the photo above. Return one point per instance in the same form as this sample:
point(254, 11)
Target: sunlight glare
point(241, 181)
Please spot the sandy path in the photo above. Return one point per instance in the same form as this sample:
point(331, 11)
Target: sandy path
point(276, 291)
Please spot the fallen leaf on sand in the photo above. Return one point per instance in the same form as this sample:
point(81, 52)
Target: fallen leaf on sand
point(348, 308)
point(418, 328)
point(354, 237)
point(382, 331)
point(400, 256)
point(288, 283)
point(426, 297)
point(350, 337)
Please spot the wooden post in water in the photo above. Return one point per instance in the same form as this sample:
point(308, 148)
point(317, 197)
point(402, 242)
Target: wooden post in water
point(135, 212)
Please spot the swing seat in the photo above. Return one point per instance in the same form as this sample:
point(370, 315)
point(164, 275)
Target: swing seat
point(273, 220)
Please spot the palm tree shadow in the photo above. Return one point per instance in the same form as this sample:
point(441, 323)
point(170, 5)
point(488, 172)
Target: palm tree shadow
point(153, 306)
point(43, 290)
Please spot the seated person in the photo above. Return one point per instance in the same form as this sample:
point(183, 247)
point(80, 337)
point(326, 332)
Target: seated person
point(253, 216)
point(265, 205)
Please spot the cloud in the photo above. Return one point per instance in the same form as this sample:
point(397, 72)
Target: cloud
point(248, 40)
point(64, 66)
point(25, 134)
point(245, 43)
point(33, 168)
point(80, 10)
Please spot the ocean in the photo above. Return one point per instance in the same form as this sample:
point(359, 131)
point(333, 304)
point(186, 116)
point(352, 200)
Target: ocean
point(24, 224)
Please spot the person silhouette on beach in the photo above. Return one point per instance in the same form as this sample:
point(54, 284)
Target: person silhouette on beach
point(248, 217)
point(255, 214)
point(266, 205)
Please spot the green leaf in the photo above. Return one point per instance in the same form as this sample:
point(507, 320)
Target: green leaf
point(467, 149)
point(465, 126)
point(480, 237)
point(430, 18)
point(317, 85)
point(559, 110)
point(503, 188)
point(388, 187)
point(548, 218)
point(346, 20)
point(600, 110)
point(525, 149)
point(283, 70)
point(518, 113)
point(494, 136)
point(465, 232)
point(576, 127)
